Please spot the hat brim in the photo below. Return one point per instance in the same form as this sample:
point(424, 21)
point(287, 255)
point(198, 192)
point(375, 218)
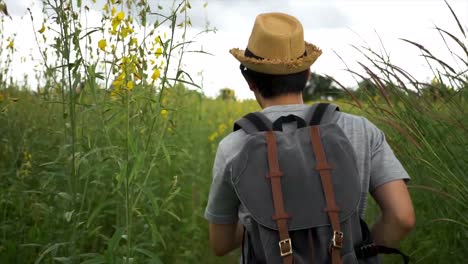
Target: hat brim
point(277, 66)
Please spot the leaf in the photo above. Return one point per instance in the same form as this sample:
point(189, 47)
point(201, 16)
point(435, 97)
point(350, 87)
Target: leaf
point(154, 258)
point(48, 250)
point(90, 32)
point(97, 260)
point(166, 154)
point(173, 215)
point(456, 18)
point(114, 241)
point(68, 216)
point(65, 196)
point(97, 210)
point(63, 259)
point(186, 82)
point(459, 42)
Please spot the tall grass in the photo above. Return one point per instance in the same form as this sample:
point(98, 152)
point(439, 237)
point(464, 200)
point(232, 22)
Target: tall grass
point(427, 125)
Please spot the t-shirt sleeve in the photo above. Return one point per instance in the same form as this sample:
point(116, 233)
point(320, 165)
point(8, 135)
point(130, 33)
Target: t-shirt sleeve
point(385, 167)
point(223, 203)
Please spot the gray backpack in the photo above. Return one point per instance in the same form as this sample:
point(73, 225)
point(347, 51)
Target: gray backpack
point(302, 190)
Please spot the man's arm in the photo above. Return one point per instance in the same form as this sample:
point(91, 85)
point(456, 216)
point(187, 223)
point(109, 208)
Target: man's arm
point(222, 208)
point(397, 214)
point(388, 188)
point(225, 237)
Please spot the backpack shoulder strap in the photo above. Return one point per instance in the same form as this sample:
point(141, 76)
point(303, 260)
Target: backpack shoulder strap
point(321, 113)
point(253, 122)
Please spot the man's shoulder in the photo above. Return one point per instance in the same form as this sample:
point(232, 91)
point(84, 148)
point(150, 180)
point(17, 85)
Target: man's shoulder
point(354, 122)
point(232, 144)
point(350, 117)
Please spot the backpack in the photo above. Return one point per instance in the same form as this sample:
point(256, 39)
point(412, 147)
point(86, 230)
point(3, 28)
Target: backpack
point(302, 191)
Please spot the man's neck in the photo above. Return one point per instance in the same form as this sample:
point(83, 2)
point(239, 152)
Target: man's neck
point(282, 100)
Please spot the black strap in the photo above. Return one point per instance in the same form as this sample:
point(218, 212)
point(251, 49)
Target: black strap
point(372, 250)
point(257, 119)
point(243, 245)
point(318, 114)
point(247, 244)
point(278, 124)
point(250, 54)
point(369, 249)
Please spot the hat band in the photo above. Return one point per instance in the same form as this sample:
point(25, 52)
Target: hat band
point(250, 54)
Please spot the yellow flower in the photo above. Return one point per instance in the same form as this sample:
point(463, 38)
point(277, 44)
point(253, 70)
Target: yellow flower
point(11, 45)
point(114, 94)
point(164, 113)
point(120, 16)
point(125, 31)
point(222, 128)
point(159, 51)
point(157, 40)
point(130, 85)
point(213, 136)
point(106, 8)
point(134, 41)
point(42, 29)
point(119, 80)
point(115, 24)
point(117, 83)
point(102, 44)
point(113, 11)
point(156, 74)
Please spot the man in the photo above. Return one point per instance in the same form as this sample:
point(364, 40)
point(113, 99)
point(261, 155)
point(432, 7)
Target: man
point(276, 67)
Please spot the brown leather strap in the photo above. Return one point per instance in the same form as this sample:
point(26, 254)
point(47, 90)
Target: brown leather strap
point(332, 210)
point(281, 217)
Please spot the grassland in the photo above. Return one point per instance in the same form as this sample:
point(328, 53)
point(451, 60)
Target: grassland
point(117, 169)
point(142, 180)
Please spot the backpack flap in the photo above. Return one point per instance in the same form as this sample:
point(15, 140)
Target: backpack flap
point(304, 199)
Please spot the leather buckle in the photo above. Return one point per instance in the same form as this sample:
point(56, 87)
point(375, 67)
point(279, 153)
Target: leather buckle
point(337, 239)
point(285, 247)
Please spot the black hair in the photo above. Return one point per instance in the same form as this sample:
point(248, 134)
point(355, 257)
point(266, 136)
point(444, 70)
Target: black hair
point(273, 85)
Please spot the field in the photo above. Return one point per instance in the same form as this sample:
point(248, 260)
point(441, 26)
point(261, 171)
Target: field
point(121, 175)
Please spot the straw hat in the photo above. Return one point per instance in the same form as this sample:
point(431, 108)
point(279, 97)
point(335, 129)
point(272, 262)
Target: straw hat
point(277, 46)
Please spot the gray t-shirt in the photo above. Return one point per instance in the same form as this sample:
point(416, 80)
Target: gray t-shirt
point(376, 163)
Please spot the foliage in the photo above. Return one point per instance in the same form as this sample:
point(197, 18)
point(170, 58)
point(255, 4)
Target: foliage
point(321, 87)
point(426, 124)
point(227, 94)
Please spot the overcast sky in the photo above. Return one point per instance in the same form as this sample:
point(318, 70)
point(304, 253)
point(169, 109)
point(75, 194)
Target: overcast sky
point(331, 25)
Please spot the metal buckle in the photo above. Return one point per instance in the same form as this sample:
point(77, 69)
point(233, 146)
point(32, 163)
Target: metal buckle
point(285, 251)
point(337, 239)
